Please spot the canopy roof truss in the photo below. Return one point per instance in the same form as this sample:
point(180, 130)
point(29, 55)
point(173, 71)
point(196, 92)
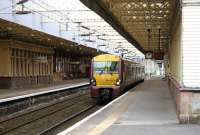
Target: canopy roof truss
point(142, 18)
point(147, 21)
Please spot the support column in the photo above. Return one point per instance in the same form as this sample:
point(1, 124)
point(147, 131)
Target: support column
point(5, 65)
point(185, 75)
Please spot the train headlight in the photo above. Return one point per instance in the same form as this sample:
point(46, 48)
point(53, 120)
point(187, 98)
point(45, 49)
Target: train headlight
point(118, 82)
point(93, 82)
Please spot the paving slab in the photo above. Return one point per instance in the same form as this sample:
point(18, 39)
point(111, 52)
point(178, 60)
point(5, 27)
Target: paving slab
point(9, 93)
point(147, 109)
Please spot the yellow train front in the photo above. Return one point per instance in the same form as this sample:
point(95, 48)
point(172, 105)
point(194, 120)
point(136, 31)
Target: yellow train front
point(111, 75)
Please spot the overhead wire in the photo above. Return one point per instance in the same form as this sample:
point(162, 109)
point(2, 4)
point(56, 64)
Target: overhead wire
point(60, 12)
point(4, 8)
point(47, 7)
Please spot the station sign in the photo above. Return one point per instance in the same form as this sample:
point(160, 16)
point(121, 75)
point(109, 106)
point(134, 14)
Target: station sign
point(40, 59)
point(75, 62)
point(154, 55)
point(159, 55)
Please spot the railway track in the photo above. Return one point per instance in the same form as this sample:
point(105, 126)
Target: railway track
point(54, 127)
point(47, 118)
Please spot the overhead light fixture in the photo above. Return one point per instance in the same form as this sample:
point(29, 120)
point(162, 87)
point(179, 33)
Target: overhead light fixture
point(85, 35)
point(85, 27)
point(22, 1)
point(102, 45)
point(89, 40)
point(22, 11)
point(102, 39)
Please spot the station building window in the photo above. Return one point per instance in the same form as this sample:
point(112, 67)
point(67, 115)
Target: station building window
point(28, 63)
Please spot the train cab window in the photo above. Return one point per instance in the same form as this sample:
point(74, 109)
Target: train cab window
point(99, 67)
point(112, 66)
point(105, 67)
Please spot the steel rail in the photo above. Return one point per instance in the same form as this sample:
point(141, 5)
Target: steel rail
point(46, 131)
point(76, 98)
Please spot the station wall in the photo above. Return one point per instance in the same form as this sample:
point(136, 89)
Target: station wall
point(175, 50)
point(24, 64)
point(191, 44)
point(70, 66)
point(184, 63)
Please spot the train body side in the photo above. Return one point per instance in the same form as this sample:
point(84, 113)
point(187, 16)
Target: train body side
point(114, 79)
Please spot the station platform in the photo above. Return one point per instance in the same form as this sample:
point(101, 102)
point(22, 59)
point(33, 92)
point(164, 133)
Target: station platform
point(6, 94)
point(147, 109)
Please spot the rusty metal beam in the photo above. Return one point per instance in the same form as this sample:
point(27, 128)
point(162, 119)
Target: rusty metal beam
point(97, 6)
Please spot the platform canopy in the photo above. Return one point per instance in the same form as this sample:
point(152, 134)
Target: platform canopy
point(55, 21)
point(147, 23)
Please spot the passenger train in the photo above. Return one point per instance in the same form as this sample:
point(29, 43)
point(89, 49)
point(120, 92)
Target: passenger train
point(111, 75)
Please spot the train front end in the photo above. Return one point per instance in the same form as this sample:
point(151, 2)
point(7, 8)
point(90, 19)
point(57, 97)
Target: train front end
point(105, 77)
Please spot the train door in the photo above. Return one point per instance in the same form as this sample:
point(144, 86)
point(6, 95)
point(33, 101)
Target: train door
point(123, 71)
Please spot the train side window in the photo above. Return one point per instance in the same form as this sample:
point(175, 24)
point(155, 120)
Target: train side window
point(132, 68)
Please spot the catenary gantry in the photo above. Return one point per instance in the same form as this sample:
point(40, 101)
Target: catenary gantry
point(72, 21)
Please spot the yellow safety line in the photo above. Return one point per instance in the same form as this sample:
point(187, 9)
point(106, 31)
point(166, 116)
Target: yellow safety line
point(113, 116)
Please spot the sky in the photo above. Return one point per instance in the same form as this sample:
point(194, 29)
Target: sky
point(82, 21)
